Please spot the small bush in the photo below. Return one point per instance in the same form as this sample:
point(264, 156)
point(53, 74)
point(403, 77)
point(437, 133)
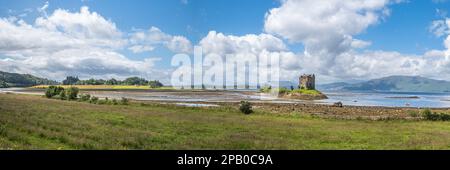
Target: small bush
point(266, 89)
point(72, 93)
point(246, 107)
point(283, 90)
point(114, 102)
point(93, 100)
point(62, 95)
point(413, 113)
point(102, 102)
point(427, 114)
point(85, 97)
point(124, 101)
point(53, 91)
point(48, 94)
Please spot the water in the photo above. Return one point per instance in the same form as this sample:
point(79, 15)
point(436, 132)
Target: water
point(388, 99)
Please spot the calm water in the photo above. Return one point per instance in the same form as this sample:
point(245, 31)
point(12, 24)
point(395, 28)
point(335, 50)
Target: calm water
point(390, 99)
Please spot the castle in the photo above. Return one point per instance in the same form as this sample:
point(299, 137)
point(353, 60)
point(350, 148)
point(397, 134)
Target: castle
point(307, 81)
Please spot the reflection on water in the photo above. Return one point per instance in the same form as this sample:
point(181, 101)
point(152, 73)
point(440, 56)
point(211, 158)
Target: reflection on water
point(390, 99)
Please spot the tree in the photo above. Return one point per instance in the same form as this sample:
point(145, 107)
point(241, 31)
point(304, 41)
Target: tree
point(70, 80)
point(135, 81)
point(111, 82)
point(155, 84)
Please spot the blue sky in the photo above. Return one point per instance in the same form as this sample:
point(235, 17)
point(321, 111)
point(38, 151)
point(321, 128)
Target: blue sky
point(405, 30)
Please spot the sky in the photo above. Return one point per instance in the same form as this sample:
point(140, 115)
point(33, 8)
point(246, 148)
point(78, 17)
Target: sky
point(337, 40)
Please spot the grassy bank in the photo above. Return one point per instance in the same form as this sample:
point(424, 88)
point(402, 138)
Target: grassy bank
point(32, 122)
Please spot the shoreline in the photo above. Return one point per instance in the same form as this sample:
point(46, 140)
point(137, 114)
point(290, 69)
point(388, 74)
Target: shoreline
point(281, 101)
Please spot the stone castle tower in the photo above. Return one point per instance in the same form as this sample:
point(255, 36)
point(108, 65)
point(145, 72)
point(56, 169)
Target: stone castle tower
point(307, 81)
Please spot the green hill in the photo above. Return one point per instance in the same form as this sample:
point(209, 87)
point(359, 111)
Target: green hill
point(22, 80)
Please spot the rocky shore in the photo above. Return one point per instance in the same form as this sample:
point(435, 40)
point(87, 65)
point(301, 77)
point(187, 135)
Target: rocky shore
point(300, 96)
point(344, 112)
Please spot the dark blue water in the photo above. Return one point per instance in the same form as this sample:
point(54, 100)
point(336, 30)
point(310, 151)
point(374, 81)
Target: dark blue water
point(390, 99)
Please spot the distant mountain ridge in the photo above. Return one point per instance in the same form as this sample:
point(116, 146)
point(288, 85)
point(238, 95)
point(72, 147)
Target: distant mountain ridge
point(22, 80)
point(392, 84)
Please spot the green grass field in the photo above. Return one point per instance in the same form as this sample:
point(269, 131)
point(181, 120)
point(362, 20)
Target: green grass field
point(33, 122)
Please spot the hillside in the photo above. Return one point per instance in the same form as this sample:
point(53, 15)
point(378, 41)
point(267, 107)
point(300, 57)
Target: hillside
point(394, 84)
point(22, 80)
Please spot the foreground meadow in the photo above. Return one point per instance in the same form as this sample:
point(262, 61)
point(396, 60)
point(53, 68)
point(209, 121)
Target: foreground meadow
point(33, 122)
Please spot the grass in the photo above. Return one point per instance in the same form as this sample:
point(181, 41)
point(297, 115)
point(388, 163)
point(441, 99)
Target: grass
point(118, 87)
point(305, 91)
point(33, 122)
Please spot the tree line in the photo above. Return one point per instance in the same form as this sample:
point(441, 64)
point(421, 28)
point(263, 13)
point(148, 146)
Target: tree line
point(71, 80)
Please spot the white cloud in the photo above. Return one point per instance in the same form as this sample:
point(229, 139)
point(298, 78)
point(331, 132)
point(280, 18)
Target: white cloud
point(140, 48)
point(155, 37)
point(228, 44)
point(326, 29)
point(315, 22)
point(81, 43)
point(43, 9)
point(88, 26)
point(237, 47)
point(440, 27)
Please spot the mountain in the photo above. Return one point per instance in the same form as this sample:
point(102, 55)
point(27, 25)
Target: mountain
point(22, 80)
point(332, 86)
point(393, 84)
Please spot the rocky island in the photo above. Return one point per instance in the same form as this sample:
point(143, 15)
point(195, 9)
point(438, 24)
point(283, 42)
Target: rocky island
point(306, 90)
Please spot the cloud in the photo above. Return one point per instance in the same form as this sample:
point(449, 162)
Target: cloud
point(68, 43)
point(333, 22)
point(84, 25)
point(228, 44)
point(155, 37)
point(327, 30)
point(43, 9)
point(241, 48)
point(440, 27)
point(140, 48)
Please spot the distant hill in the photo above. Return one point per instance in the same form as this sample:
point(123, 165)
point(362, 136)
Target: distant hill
point(22, 80)
point(393, 84)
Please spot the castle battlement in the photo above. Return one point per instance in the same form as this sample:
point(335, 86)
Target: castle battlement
point(307, 81)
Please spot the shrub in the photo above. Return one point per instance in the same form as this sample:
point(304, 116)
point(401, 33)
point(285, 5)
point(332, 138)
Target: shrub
point(48, 94)
point(124, 101)
point(62, 95)
point(246, 107)
point(413, 113)
point(266, 89)
point(93, 100)
point(72, 93)
point(429, 115)
point(283, 90)
point(53, 91)
point(102, 102)
point(85, 97)
point(114, 102)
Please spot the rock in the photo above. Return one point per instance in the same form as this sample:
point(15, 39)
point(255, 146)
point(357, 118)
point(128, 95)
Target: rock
point(338, 104)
